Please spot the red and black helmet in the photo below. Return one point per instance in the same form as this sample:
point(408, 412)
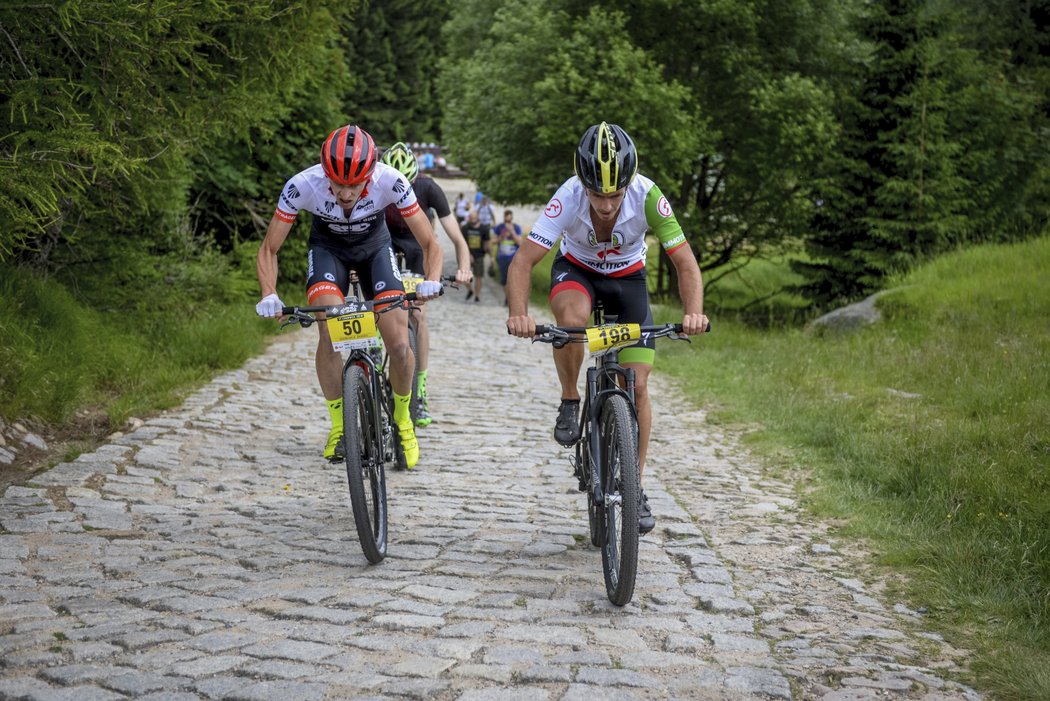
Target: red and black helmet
point(348, 155)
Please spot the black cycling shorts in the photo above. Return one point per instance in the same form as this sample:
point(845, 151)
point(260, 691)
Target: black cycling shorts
point(624, 298)
point(411, 250)
point(329, 271)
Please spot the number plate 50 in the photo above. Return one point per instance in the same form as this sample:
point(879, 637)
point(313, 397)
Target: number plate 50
point(353, 330)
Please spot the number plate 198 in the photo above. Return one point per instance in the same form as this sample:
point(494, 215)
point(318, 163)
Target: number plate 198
point(610, 336)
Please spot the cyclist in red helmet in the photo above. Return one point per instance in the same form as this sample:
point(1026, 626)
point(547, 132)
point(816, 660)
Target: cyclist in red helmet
point(347, 194)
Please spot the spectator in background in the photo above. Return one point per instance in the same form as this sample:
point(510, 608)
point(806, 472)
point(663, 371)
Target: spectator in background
point(486, 214)
point(462, 208)
point(478, 243)
point(507, 239)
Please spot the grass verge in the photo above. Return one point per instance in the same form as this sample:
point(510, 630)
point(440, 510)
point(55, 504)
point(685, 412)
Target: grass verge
point(928, 434)
point(60, 357)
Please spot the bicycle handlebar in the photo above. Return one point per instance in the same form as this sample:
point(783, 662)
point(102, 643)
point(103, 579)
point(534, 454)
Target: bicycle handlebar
point(558, 336)
point(303, 315)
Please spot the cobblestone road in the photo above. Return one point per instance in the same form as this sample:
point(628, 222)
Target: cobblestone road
point(211, 554)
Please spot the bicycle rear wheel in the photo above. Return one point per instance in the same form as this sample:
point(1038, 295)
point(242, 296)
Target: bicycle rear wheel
point(364, 462)
point(620, 479)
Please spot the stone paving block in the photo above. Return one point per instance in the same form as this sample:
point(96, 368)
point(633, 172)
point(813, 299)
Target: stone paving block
point(505, 694)
point(587, 692)
point(22, 687)
point(291, 650)
point(78, 693)
point(170, 696)
point(758, 681)
point(136, 684)
point(68, 675)
point(616, 678)
point(277, 691)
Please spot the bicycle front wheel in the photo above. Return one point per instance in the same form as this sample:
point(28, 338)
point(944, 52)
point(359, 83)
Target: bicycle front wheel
point(620, 481)
point(364, 462)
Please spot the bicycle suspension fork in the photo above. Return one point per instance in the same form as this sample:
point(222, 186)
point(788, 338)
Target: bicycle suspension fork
point(602, 381)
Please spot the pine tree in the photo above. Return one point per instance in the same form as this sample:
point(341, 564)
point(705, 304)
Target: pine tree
point(898, 190)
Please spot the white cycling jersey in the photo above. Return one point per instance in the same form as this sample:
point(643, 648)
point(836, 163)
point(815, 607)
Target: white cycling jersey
point(644, 208)
point(310, 191)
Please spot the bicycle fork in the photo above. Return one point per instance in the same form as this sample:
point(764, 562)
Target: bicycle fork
point(600, 384)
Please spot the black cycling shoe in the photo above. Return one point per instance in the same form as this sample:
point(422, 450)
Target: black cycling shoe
point(566, 428)
point(646, 522)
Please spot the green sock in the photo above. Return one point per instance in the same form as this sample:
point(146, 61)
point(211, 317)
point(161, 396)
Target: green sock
point(421, 383)
point(401, 402)
point(335, 410)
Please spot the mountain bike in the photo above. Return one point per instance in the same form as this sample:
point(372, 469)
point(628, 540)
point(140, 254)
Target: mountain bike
point(370, 437)
point(606, 461)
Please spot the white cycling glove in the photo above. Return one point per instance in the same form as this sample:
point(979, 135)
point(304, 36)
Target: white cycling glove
point(428, 289)
point(269, 306)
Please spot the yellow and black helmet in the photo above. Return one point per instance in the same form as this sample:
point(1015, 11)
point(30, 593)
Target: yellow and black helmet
point(606, 160)
point(400, 156)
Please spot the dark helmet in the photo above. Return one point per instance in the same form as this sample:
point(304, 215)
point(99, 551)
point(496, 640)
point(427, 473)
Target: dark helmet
point(348, 155)
point(605, 161)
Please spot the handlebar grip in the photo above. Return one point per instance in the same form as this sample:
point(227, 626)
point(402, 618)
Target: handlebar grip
point(542, 329)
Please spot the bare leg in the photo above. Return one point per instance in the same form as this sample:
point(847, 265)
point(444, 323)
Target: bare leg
point(327, 361)
point(571, 308)
point(393, 326)
point(422, 338)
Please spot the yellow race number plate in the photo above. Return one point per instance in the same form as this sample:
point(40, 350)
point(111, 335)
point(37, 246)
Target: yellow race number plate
point(353, 330)
point(601, 339)
point(410, 281)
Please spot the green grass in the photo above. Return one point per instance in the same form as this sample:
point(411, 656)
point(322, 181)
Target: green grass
point(59, 356)
point(928, 434)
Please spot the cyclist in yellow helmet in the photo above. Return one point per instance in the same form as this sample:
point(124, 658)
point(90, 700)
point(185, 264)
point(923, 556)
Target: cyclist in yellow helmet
point(430, 197)
point(602, 215)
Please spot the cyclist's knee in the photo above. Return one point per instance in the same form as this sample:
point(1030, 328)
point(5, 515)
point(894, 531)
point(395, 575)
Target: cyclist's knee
point(399, 350)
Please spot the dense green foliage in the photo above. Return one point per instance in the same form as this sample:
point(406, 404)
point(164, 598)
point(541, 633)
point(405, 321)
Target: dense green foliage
point(392, 49)
point(927, 435)
point(173, 126)
point(111, 104)
point(533, 78)
point(929, 155)
point(876, 134)
point(59, 357)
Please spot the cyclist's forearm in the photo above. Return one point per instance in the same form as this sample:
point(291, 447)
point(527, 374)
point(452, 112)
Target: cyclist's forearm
point(519, 277)
point(451, 227)
point(690, 283)
point(266, 259)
